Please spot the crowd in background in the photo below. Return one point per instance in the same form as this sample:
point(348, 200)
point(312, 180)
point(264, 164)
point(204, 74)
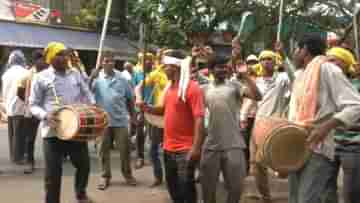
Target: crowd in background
point(209, 106)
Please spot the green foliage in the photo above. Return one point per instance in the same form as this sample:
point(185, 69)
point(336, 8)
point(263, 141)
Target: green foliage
point(89, 13)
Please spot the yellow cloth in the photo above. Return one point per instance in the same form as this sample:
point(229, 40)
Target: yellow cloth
point(52, 50)
point(344, 55)
point(258, 69)
point(279, 59)
point(276, 57)
point(267, 54)
point(158, 80)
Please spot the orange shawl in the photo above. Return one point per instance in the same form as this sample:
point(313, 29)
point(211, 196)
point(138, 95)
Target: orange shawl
point(307, 100)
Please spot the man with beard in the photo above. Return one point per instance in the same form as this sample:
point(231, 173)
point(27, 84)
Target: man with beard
point(70, 89)
point(113, 93)
point(143, 68)
point(275, 92)
point(157, 81)
point(223, 150)
point(183, 110)
point(324, 99)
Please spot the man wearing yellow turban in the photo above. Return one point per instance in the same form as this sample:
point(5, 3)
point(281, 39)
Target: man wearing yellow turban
point(52, 50)
point(273, 89)
point(51, 88)
point(342, 58)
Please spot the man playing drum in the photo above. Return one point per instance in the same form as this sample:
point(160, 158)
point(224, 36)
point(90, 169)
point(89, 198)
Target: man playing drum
point(323, 98)
point(70, 89)
point(113, 93)
point(144, 66)
point(157, 81)
point(273, 103)
point(223, 150)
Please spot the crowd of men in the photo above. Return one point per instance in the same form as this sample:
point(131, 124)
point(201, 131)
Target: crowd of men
point(209, 105)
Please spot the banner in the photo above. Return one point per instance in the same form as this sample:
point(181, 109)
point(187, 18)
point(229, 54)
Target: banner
point(28, 12)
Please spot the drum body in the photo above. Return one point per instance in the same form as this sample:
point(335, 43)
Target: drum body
point(283, 146)
point(81, 122)
point(155, 120)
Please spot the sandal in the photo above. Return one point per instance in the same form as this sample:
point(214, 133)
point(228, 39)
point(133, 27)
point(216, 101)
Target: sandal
point(104, 184)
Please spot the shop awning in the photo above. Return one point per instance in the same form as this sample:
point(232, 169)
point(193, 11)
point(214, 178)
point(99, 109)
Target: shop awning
point(37, 36)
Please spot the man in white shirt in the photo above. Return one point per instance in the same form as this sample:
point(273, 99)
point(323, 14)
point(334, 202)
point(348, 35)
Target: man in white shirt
point(127, 72)
point(14, 106)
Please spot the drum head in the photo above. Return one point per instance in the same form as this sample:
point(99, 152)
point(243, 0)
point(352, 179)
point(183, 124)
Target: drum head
point(68, 124)
point(155, 120)
point(285, 149)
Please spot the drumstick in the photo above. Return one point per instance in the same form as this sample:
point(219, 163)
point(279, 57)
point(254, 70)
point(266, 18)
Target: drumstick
point(57, 100)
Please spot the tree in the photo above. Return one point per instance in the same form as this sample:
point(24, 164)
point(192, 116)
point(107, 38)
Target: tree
point(171, 21)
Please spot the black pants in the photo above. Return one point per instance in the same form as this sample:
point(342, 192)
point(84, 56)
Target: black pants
point(156, 136)
point(54, 150)
point(17, 138)
point(31, 126)
point(180, 177)
point(140, 136)
point(348, 157)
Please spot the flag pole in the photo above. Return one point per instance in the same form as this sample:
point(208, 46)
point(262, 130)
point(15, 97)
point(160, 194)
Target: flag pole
point(356, 30)
point(103, 33)
point(278, 36)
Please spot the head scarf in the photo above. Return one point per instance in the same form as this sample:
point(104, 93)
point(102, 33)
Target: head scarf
point(16, 58)
point(185, 73)
point(276, 57)
point(267, 54)
point(52, 50)
point(346, 56)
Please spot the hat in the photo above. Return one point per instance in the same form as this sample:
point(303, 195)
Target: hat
point(252, 57)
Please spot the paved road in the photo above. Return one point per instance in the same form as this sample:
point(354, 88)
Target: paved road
point(16, 187)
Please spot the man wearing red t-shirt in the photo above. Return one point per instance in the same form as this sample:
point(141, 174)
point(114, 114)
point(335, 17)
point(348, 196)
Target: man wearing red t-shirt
point(183, 110)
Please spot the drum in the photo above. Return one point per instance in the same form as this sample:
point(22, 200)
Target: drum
point(155, 120)
point(81, 122)
point(283, 147)
point(264, 125)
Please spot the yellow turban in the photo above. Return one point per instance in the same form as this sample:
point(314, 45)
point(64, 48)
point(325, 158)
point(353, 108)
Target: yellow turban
point(346, 56)
point(148, 56)
point(267, 54)
point(52, 50)
point(139, 65)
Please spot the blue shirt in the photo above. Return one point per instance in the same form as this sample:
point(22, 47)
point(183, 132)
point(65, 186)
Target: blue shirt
point(147, 91)
point(70, 88)
point(113, 93)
